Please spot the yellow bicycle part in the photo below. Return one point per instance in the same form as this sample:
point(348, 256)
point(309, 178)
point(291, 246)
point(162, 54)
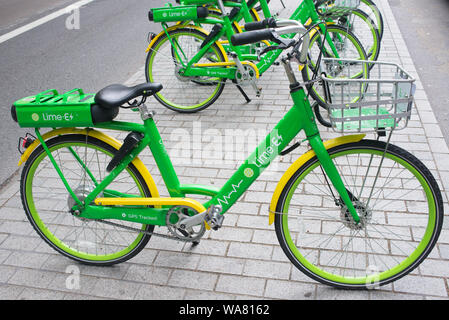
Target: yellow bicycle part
point(151, 202)
point(300, 162)
point(100, 136)
point(162, 33)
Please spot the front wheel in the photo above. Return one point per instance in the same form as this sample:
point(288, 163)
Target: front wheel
point(47, 203)
point(399, 205)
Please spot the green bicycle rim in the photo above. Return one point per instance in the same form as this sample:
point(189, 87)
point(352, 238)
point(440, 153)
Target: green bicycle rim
point(372, 52)
point(170, 104)
point(388, 275)
point(49, 236)
point(353, 39)
point(377, 14)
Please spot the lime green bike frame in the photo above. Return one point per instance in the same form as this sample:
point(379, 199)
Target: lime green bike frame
point(299, 117)
point(305, 13)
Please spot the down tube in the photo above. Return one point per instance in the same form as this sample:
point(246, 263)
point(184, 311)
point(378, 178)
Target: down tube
point(276, 141)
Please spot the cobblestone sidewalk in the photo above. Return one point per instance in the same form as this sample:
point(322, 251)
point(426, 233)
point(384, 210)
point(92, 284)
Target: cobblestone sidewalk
point(243, 260)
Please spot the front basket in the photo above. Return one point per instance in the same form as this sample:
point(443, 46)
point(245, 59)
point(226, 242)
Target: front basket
point(383, 101)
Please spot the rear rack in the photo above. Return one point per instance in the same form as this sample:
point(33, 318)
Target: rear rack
point(52, 97)
point(51, 109)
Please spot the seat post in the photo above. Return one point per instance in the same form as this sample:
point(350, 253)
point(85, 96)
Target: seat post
point(289, 72)
point(160, 154)
point(145, 114)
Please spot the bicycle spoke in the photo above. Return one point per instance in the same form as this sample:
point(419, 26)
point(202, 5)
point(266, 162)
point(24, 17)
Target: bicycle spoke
point(83, 166)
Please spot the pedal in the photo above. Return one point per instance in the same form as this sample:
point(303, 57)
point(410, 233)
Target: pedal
point(214, 218)
point(257, 89)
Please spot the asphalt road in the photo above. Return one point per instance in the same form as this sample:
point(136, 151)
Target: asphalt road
point(425, 28)
point(109, 47)
point(13, 13)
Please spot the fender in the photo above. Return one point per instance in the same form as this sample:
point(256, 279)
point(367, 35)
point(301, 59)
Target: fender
point(100, 136)
point(300, 162)
point(178, 26)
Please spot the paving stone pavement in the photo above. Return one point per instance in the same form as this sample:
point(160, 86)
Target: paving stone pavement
point(242, 260)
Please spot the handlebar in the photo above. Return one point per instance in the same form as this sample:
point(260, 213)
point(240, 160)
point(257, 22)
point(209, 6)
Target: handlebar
point(272, 33)
point(248, 37)
point(266, 23)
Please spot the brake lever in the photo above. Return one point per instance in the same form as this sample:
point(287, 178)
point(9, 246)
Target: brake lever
point(283, 44)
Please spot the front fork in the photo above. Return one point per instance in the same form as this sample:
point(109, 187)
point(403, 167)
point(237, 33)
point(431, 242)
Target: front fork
point(309, 124)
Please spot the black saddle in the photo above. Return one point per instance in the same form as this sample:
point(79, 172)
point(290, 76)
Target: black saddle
point(116, 95)
point(109, 100)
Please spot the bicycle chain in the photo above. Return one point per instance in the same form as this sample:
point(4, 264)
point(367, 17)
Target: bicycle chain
point(144, 231)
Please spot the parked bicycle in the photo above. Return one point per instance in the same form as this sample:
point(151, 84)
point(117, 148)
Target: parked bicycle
point(350, 212)
point(194, 65)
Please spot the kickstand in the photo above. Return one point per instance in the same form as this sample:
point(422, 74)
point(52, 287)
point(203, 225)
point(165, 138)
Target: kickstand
point(248, 100)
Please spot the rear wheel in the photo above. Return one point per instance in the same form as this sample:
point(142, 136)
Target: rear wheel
point(47, 202)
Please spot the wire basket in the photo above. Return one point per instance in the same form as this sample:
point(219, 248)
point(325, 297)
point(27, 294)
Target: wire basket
point(381, 102)
point(337, 8)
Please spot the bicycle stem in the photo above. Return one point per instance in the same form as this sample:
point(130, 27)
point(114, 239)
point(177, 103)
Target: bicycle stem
point(221, 7)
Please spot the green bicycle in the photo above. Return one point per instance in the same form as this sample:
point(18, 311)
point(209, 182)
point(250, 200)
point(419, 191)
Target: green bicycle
point(361, 17)
point(194, 65)
point(367, 6)
point(350, 212)
point(354, 20)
